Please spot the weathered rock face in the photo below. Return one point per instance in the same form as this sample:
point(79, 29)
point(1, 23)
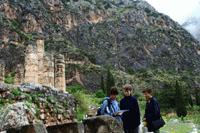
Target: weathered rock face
point(15, 115)
point(139, 38)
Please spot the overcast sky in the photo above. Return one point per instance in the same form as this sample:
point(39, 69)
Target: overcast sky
point(178, 10)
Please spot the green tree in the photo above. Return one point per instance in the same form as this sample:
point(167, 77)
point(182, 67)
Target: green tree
point(102, 84)
point(181, 110)
point(110, 82)
point(165, 96)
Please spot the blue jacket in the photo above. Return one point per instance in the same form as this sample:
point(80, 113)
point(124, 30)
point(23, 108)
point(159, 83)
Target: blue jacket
point(152, 112)
point(131, 118)
point(106, 110)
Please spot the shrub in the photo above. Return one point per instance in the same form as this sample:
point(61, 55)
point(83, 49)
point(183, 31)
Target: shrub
point(100, 94)
point(82, 99)
point(9, 78)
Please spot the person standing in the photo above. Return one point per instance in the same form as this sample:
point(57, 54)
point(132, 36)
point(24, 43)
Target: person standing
point(131, 118)
point(152, 110)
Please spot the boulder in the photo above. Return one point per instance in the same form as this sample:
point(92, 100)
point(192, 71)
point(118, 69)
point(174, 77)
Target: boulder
point(15, 115)
point(102, 124)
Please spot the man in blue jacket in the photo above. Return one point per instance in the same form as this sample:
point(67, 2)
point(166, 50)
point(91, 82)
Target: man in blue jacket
point(131, 118)
point(152, 110)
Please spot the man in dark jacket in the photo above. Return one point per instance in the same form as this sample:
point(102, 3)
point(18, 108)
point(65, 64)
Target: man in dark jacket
point(152, 110)
point(131, 118)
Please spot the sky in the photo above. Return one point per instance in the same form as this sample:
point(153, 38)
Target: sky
point(178, 10)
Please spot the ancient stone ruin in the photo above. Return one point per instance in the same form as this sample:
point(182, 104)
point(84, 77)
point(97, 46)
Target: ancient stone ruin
point(2, 70)
point(39, 67)
point(99, 124)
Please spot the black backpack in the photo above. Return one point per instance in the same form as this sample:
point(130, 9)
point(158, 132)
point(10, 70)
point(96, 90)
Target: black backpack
point(99, 109)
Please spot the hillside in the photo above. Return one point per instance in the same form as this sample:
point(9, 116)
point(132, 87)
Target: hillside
point(130, 36)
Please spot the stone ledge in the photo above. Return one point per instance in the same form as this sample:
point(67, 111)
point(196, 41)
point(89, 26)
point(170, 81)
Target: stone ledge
point(97, 124)
point(67, 128)
point(36, 128)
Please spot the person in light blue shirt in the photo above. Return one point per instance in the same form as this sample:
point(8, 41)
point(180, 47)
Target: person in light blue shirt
point(110, 106)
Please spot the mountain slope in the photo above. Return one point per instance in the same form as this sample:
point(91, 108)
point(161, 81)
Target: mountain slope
point(128, 35)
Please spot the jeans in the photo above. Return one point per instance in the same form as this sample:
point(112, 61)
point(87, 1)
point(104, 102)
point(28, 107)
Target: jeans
point(130, 130)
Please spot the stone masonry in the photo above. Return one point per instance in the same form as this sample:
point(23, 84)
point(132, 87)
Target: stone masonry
point(39, 67)
point(44, 68)
point(2, 70)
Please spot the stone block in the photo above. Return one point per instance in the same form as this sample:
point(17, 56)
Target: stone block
point(102, 124)
point(66, 128)
point(36, 128)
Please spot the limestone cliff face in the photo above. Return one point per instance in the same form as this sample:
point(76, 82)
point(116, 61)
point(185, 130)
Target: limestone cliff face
point(126, 34)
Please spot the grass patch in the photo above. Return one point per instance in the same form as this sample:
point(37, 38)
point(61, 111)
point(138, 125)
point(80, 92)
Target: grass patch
point(9, 78)
point(178, 127)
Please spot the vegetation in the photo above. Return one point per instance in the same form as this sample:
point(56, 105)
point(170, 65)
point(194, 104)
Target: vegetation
point(9, 78)
point(172, 127)
point(102, 84)
point(85, 99)
point(110, 82)
point(180, 102)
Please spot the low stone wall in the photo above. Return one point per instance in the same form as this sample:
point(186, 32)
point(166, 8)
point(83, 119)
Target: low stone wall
point(37, 128)
point(100, 124)
point(67, 128)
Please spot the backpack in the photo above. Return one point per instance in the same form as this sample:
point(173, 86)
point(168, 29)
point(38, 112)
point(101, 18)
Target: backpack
point(99, 109)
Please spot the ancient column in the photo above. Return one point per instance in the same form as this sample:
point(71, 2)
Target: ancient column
point(31, 64)
point(2, 70)
point(40, 55)
point(60, 72)
point(19, 74)
point(48, 70)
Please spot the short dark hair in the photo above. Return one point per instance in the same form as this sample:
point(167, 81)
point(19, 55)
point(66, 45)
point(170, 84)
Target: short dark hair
point(147, 90)
point(114, 91)
point(128, 86)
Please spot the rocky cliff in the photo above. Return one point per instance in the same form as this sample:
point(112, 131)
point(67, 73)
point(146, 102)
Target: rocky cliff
point(128, 35)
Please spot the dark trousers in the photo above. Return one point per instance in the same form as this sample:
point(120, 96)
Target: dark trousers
point(130, 130)
point(157, 131)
